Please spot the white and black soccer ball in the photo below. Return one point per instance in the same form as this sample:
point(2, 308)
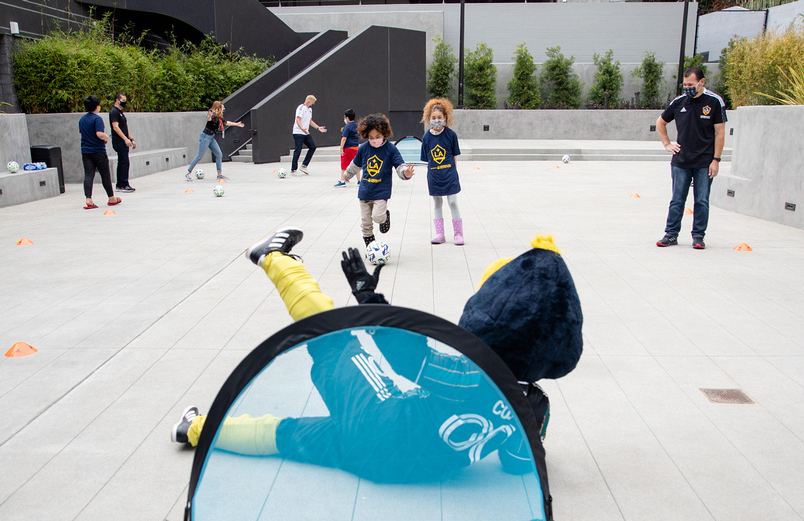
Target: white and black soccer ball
point(565, 159)
point(13, 167)
point(218, 191)
point(280, 173)
point(377, 252)
point(199, 174)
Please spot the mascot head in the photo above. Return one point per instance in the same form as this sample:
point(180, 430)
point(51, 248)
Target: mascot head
point(527, 310)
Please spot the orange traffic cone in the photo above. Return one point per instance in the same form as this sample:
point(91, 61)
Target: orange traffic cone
point(688, 211)
point(742, 247)
point(635, 196)
point(476, 168)
point(221, 180)
point(20, 349)
point(24, 242)
point(189, 191)
point(109, 212)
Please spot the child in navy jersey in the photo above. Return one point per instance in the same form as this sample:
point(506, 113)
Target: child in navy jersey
point(439, 149)
point(378, 158)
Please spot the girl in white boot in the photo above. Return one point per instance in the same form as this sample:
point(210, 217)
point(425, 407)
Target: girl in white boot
point(439, 149)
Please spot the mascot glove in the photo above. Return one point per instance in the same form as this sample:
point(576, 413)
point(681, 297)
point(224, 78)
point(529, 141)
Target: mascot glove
point(362, 284)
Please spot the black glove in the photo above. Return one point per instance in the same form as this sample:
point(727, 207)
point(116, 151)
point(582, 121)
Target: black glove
point(362, 284)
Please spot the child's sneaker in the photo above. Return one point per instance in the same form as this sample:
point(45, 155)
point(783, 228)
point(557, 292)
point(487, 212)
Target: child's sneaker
point(698, 243)
point(304, 170)
point(384, 227)
point(281, 241)
point(188, 176)
point(179, 432)
point(369, 239)
point(340, 183)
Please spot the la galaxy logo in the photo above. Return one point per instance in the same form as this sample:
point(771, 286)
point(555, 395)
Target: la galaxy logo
point(438, 154)
point(373, 165)
point(706, 110)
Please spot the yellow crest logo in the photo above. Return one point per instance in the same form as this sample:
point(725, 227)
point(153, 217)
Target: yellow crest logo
point(438, 153)
point(706, 110)
point(373, 165)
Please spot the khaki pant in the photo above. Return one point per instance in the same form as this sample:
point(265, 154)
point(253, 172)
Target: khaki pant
point(372, 212)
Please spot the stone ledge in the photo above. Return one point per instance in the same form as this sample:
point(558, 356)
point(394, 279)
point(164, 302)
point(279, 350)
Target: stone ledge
point(27, 185)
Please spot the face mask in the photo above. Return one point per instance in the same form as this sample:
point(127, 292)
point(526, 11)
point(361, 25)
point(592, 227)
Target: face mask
point(345, 121)
point(123, 104)
point(436, 124)
point(691, 91)
point(376, 143)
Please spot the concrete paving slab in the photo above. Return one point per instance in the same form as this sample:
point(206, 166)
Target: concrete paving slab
point(140, 313)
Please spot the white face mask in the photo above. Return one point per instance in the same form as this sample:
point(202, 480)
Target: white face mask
point(436, 124)
point(376, 143)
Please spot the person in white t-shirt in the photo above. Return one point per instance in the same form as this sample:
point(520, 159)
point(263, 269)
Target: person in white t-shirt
point(301, 135)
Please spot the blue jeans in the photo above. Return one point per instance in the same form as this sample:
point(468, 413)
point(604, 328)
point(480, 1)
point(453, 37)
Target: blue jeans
point(207, 141)
point(682, 177)
point(302, 139)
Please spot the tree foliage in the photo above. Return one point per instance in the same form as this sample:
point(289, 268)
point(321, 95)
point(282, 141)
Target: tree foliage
point(480, 78)
point(561, 87)
point(523, 89)
point(605, 91)
point(441, 71)
point(651, 72)
point(56, 73)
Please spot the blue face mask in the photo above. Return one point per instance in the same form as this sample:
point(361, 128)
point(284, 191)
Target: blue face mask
point(691, 91)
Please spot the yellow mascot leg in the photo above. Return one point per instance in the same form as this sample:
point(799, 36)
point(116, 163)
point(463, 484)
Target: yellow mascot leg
point(299, 290)
point(242, 434)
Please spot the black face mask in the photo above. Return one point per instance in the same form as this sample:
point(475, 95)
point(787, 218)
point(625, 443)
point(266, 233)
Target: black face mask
point(123, 104)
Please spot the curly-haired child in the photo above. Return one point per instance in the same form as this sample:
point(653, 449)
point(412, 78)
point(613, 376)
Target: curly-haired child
point(378, 158)
point(439, 149)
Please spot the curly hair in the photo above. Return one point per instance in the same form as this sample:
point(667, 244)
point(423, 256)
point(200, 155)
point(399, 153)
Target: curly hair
point(217, 109)
point(442, 105)
point(377, 122)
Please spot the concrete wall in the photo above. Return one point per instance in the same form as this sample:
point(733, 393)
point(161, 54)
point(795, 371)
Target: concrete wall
point(581, 29)
point(780, 16)
point(766, 169)
point(14, 144)
point(152, 131)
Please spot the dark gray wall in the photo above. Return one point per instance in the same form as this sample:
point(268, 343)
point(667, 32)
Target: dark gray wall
point(379, 70)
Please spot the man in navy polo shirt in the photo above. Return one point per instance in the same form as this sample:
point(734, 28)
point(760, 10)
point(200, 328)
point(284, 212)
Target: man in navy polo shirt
point(700, 117)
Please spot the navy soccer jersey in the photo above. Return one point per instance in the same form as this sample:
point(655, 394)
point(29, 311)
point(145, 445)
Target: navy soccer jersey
point(695, 122)
point(439, 151)
point(378, 170)
point(350, 133)
point(89, 124)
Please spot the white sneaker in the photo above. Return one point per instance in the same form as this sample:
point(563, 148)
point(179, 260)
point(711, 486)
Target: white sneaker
point(304, 170)
point(188, 176)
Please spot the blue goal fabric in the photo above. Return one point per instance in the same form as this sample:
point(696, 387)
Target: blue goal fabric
point(378, 412)
point(411, 149)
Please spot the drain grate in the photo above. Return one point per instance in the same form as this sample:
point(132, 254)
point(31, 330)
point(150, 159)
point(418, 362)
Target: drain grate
point(726, 396)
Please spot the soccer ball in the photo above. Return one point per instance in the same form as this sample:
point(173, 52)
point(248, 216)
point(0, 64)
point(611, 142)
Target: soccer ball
point(377, 252)
point(280, 173)
point(199, 174)
point(13, 167)
point(565, 159)
point(218, 191)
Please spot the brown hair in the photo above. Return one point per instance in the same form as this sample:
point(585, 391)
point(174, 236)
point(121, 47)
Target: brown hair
point(375, 121)
point(217, 109)
point(442, 105)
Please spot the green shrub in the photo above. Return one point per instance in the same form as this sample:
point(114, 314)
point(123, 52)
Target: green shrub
point(791, 90)
point(480, 78)
point(523, 89)
point(757, 66)
point(694, 61)
point(441, 70)
point(56, 73)
point(561, 87)
point(605, 91)
point(651, 72)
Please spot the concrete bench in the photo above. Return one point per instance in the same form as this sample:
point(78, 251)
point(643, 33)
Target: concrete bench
point(28, 185)
point(148, 162)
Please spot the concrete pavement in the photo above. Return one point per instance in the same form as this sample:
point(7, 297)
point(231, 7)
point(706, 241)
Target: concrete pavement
point(139, 313)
